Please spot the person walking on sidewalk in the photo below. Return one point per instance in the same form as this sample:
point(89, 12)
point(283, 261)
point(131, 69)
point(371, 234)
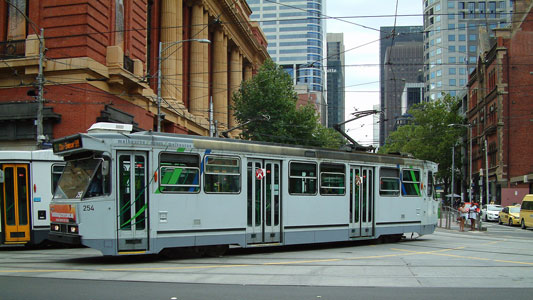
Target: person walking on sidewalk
point(462, 216)
point(472, 214)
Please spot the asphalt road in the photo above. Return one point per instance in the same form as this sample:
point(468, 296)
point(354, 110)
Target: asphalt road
point(497, 264)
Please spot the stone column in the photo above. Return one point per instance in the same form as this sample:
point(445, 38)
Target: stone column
point(248, 71)
point(235, 80)
point(171, 64)
point(198, 88)
point(220, 77)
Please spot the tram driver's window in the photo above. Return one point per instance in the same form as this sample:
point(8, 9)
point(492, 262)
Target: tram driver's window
point(302, 178)
point(411, 182)
point(179, 172)
point(389, 182)
point(222, 174)
point(332, 179)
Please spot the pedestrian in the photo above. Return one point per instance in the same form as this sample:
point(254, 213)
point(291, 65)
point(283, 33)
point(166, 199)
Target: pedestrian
point(462, 216)
point(472, 215)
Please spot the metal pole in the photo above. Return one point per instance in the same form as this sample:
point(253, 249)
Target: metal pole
point(40, 99)
point(159, 88)
point(470, 177)
point(211, 129)
point(453, 171)
point(487, 168)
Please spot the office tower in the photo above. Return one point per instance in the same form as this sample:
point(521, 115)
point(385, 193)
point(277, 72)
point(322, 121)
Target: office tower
point(451, 41)
point(295, 35)
point(401, 62)
point(335, 81)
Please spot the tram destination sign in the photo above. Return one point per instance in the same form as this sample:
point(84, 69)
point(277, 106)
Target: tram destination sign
point(66, 144)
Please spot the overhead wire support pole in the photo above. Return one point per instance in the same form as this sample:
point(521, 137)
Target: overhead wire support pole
point(40, 98)
point(159, 60)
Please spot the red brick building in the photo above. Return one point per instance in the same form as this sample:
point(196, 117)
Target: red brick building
point(101, 64)
point(500, 111)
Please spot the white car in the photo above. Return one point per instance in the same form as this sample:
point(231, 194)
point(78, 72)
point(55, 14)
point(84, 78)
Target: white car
point(490, 212)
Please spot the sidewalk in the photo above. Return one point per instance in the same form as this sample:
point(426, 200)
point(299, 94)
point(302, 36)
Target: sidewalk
point(454, 226)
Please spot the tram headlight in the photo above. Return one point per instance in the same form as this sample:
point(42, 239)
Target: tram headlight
point(73, 229)
point(55, 227)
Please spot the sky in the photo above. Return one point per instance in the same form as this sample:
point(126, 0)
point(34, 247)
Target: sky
point(361, 42)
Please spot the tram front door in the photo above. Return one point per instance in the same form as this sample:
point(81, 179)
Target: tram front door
point(263, 201)
point(361, 201)
point(132, 201)
point(16, 203)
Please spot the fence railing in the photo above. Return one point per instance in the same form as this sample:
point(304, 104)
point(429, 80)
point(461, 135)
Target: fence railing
point(447, 216)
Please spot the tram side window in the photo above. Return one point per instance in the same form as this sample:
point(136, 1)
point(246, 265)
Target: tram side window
point(222, 174)
point(411, 182)
point(302, 178)
point(389, 182)
point(179, 172)
point(430, 183)
point(57, 169)
point(332, 179)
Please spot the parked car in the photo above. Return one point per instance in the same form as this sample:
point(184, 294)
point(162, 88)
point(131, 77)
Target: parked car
point(509, 215)
point(526, 212)
point(490, 212)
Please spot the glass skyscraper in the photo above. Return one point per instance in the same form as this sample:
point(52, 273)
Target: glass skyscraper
point(295, 34)
point(451, 40)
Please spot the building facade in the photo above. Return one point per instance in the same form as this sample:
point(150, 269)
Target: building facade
point(295, 31)
point(499, 113)
point(451, 40)
point(101, 64)
point(335, 79)
point(400, 60)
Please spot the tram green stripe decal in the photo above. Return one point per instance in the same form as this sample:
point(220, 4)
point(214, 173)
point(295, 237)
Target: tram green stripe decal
point(416, 185)
point(134, 217)
point(180, 150)
point(175, 176)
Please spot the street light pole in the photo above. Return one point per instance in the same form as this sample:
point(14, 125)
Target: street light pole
point(159, 60)
point(469, 126)
point(453, 171)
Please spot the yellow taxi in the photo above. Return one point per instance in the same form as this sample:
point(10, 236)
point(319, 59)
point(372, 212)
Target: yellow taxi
point(509, 215)
point(526, 212)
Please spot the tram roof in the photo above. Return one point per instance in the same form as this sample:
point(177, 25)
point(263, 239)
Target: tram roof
point(96, 141)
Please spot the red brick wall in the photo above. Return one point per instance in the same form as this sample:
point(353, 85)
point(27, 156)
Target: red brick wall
point(76, 28)
point(520, 104)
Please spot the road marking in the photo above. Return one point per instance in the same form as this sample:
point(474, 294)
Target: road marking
point(437, 252)
point(37, 271)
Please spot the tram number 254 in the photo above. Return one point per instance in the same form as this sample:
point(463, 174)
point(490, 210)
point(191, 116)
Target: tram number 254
point(88, 208)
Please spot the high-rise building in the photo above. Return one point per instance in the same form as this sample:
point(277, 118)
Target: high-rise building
point(451, 40)
point(335, 81)
point(295, 33)
point(401, 62)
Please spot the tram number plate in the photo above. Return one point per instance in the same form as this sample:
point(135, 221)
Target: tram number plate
point(88, 208)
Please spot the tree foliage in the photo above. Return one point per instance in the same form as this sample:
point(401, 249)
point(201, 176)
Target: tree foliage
point(429, 135)
point(267, 105)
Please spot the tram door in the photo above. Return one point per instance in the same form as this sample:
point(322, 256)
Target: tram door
point(263, 201)
point(16, 203)
point(361, 201)
point(132, 201)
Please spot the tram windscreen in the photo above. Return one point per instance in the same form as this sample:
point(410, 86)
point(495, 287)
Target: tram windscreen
point(76, 178)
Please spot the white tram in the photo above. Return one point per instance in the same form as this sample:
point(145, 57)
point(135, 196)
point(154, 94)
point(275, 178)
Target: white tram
point(27, 183)
point(131, 193)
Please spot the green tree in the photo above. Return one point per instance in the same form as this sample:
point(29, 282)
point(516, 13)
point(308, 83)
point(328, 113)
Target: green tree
point(428, 136)
point(267, 106)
